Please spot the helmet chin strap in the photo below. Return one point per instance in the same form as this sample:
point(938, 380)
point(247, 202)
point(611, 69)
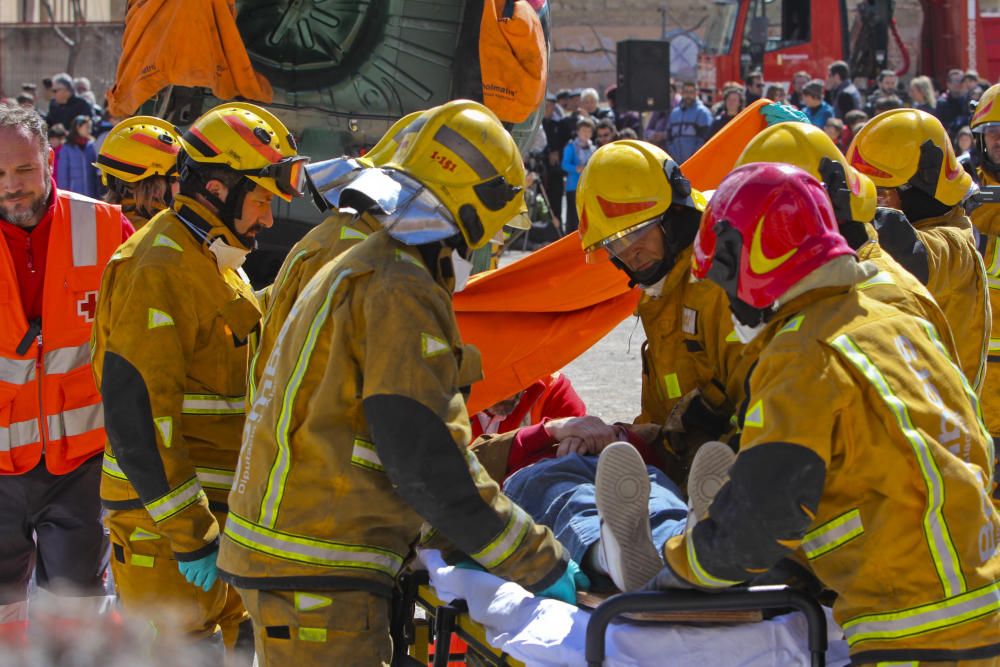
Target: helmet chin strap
point(678, 235)
point(227, 210)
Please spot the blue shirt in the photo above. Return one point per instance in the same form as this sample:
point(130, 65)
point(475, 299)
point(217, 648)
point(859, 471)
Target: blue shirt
point(820, 114)
point(687, 129)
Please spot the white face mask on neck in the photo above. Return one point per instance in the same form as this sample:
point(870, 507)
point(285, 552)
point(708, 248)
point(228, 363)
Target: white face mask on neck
point(463, 271)
point(746, 333)
point(226, 256)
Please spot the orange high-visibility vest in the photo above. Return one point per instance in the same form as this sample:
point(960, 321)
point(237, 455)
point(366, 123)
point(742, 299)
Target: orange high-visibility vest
point(48, 400)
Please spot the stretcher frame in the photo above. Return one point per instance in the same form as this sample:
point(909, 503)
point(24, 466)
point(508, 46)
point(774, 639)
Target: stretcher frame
point(739, 599)
point(411, 637)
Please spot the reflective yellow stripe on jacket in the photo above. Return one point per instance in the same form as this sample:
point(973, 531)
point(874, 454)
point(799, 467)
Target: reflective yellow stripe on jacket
point(832, 534)
point(926, 618)
point(970, 393)
point(211, 478)
point(700, 573)
point(310, 550)
point(363, 454)
point(939, 540)
point(176, 500)
point(213, 404)
point(282, 462)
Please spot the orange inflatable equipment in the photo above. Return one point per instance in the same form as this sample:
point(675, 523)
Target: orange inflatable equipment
point(513, 59)
point(183, 43)
point(555, 306)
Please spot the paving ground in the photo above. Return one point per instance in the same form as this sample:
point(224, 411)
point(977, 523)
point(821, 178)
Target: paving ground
point(608, 376)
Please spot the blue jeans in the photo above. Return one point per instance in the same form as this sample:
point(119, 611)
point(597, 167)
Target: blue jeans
point(559, 493)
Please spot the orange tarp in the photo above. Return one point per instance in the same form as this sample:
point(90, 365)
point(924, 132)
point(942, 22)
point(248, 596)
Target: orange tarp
point(534, 316)
point(183, 43)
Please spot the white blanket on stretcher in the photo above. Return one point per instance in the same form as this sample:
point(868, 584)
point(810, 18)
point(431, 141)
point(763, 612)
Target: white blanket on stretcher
point(540, 631)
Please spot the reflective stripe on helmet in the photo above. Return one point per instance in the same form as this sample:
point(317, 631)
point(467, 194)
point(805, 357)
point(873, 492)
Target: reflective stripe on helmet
point(465, 150)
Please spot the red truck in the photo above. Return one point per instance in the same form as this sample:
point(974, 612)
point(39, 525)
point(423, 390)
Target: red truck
point(781, 37)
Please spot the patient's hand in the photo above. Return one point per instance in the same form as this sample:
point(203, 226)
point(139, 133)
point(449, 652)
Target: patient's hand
point(581, 435)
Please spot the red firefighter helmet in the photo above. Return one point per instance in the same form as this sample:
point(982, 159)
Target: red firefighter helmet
point(767, 227)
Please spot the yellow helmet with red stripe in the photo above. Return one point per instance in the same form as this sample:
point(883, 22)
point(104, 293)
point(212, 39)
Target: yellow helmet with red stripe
point(987, 110)
point(811, 149)
point(137, 148)
point(906, 148)
point(251, 141)
point(627, 186)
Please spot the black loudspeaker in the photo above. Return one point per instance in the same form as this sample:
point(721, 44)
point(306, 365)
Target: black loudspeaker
point(643, 75)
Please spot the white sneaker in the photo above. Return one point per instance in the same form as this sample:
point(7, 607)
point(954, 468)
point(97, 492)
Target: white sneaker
point(622, 493)
point(709, 472)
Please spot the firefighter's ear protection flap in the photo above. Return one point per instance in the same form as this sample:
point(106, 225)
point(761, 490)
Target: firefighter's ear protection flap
point(471, 223)
point(725, 269)
point(835, 181)
point(928, 169)
point(679, 183)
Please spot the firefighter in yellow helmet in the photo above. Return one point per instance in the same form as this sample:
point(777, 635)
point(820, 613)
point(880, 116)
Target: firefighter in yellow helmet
point(138, 165)
point(170, 356)
point(861, 446)
point(358, 432)
point(986, 127)
point(854, 203)
point(909, 157)
point(637, 209)
point(349, 222)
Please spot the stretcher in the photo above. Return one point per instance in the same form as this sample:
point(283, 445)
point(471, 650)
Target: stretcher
point(499, 623)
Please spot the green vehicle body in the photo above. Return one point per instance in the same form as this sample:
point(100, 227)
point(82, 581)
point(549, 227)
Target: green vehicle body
point(342, 72)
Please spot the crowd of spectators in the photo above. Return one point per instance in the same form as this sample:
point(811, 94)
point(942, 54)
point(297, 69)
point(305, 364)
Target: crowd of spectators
point(77, 126)
point(576, 122)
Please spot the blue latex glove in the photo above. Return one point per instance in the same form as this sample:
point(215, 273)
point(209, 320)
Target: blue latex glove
point(202, 572)
point(776, 113)
point(566, 586)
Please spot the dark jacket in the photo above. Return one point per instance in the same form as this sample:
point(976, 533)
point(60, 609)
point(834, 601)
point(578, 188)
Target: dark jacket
point(844, 98)
point(65, 113)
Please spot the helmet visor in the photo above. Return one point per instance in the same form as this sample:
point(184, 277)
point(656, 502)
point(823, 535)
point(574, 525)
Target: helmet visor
point(619, 246)
point(289, 175)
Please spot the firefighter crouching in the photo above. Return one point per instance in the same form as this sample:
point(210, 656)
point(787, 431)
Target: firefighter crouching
point(358, 431)
point(170, 354)
point(892, 513)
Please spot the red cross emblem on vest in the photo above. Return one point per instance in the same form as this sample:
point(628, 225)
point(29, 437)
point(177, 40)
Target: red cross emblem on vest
point(86, 306)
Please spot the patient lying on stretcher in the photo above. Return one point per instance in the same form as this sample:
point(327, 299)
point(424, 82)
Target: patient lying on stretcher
point(551, 470)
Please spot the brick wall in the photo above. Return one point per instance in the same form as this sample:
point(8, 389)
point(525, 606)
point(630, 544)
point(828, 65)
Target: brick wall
point(31, 53)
